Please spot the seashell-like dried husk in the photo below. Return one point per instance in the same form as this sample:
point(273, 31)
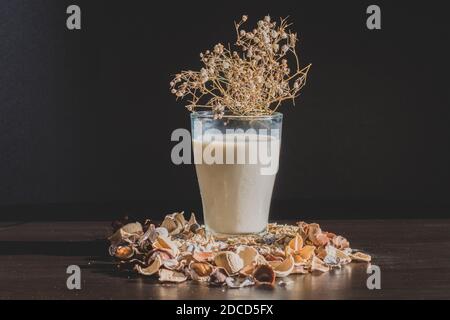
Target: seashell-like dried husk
point(361, 257)
point(165, 243)
point(236, 283)
point(230, 261)
point(171, 276)
point(218, 276)
point(174, 223)
point(248, 254)
point(192, 225)
point(271, 257)
point(260, 260)
point(133, 228)
point(307, 252)
point(340, 242)
point(316, 236)
point(296, 243)
point(171, 264)
point(203, 256)
point(299, 269)
point(202, 269)
point(161, 231)
point(149, 235)
point(319, 265)
point(124, 252)
point(274, 263)
point(119, 237)
point(151, 269)
point(343, 257)
point(284, 268)
point(164, 254)
point(264, 275)
point(248, 269)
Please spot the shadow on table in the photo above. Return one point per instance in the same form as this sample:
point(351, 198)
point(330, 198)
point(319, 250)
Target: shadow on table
point(54, 248)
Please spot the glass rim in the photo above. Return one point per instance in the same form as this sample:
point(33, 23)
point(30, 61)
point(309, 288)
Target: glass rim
point(210, 115)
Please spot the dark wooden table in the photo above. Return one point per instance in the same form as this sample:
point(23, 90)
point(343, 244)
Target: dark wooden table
point(414, 257)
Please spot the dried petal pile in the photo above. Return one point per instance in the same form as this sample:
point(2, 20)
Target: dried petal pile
point(179, 250)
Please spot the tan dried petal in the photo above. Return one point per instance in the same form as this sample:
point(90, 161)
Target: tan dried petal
point(296, 243)
point(248, 254)
point(165, 243)
point(361, 257)
point(203, 256)
point(133, 228)
point(284, 268)
point(340, 242)
point(264, 275)
point(151, 269)
point(202, 269)
point(230, 261)
point(319, 265)
point(171, 276)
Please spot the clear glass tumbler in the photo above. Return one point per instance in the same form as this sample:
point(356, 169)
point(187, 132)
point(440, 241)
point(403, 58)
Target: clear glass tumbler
point(236, 159)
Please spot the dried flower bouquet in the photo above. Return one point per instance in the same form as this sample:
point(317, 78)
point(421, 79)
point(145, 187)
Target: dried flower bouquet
point(252, 80)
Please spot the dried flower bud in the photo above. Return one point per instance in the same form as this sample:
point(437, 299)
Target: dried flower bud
point(244, 18)
point(284, 48)
point(292, 39)
point(218, 48)
point(242, 33)
point(267, 18)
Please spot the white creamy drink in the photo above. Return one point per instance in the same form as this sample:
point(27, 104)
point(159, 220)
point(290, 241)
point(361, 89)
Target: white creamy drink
point(236, 192)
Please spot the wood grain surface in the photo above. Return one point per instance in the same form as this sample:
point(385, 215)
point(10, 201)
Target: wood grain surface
point(414, 257)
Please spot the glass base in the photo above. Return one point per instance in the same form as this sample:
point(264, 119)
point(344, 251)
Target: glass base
point(224, 236)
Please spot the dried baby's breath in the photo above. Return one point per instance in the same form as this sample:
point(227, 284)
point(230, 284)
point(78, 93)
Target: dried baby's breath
point(253, 79)
point(181, 250)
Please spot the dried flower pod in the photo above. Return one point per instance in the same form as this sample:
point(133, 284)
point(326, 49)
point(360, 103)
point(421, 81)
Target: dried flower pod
point(164, 254)
point(284, 268)
point(165, 243)
point(340, 242)
point(307, 252)
point(316, 235)
point(203, 256)
point(264, 275)
point(296, 243)
point(171, 264)
point(174, 223)
point(248, 269)
point(248, 254)
point(151, 269)
point(192, 225)
point(171, 276)
point(218, 276)
point(119, 237)
point(361, 257)
point(124, 252)
point(202, 269)
point(230, 261)
point(133, 228)
point(319, 265)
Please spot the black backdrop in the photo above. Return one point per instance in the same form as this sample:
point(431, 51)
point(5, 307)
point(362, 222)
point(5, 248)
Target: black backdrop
point(86, 116)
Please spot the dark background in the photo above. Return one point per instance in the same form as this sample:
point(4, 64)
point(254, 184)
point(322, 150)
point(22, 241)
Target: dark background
point(86, 116)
